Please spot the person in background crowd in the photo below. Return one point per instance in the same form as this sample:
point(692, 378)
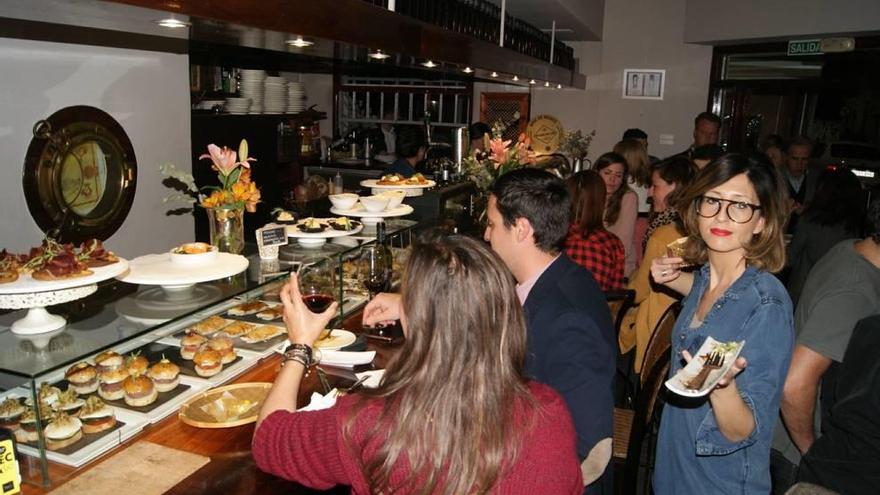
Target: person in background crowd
point(639, 170)
point(570, 334)
point(846, 458)
point(799, 181)
point(411, 148)
point(588, 243)
point(460, 373)
point(621, 203)
point(706, 154)
point(477, 133)
point(389, 135)
point(773, 146)
point(841, 289)
point(668, 181)
point(642, 137)
point(720, 443)
point(835, 213)
point(707, 126)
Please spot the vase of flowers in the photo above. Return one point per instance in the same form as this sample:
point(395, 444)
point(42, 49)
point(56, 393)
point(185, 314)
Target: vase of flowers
point(224, 204)
point(576, 145)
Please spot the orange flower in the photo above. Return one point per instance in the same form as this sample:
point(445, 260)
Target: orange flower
point(246, 193)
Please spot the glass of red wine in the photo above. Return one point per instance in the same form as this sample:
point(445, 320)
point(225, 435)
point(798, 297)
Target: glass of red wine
point(317, 284)
point(375, 268)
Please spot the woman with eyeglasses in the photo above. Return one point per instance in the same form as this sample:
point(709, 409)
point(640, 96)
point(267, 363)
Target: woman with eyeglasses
point(735, 217)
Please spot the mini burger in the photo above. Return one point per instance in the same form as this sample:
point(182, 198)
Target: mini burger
point(69, 402)
point(190, 344)
point(224, 346)
point(82, 377)
point(27, 427)
point(11, 411)
point(136, 364)
point(164, 375)
point(96, 416)
point(110, 387)
point(208, 362)
point(62, 431)
point(108, 360)
point(47, 395)
point(139, 391)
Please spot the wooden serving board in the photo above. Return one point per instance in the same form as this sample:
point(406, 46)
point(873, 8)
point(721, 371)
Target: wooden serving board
point(192, 414)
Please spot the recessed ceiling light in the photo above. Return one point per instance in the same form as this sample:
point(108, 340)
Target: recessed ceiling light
point(378, 55)
point(299, 42)
point(429, 64)
point(172, 23)
point(546, 84)
point(467, 70)
point(558, 86)
point(531, 81)
point(494, 74)
point(516, 78)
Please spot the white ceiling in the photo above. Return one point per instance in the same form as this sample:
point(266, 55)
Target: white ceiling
point(576, 20)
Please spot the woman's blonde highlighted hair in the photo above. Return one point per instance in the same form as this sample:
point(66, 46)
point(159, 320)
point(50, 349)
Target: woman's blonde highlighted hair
point(766, 251)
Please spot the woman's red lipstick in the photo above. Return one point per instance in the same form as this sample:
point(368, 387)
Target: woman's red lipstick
point(720, 232)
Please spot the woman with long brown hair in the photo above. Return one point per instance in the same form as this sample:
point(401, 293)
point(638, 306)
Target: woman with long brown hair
point(588, 243)
point(454, 412)
point(621, 203)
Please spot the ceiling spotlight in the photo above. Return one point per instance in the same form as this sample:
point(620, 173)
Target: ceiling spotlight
point(299, 42)
point(558, 86)
point(494, 74)
point(516, 78)
point(172, 23)
point(378, 55)
point(429, 64)
point(531, 81)
point(467, 70)
point(546, 84)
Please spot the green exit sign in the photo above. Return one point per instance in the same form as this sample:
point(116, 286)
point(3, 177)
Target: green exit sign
point(804, 47)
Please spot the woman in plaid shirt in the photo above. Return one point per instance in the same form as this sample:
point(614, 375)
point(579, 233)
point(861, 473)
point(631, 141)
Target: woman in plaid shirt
point(589, 244)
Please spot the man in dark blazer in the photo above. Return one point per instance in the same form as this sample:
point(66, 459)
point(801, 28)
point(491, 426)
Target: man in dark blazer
point(571, 343)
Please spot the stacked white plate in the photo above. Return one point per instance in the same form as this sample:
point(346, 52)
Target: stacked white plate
point(238, 106)
point(252, 87)
point(296, 95)
point(276, 95)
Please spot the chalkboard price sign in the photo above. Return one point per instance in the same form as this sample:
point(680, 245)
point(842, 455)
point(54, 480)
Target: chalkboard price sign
point(273, 236)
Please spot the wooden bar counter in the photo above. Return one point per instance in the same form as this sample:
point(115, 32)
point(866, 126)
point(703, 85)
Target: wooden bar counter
point(232, 469)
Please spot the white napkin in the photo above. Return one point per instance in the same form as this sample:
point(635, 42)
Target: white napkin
point(345, 359)
point(374, 377)
point(319, 401)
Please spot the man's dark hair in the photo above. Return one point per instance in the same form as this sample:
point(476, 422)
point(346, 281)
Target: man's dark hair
point(634, 133)
point(800, 141)
point(838, 200)
point(872, 221)
point(409, 140)
point(541, 198)
point(709, 152)
point(478, 129)
point(709, 117)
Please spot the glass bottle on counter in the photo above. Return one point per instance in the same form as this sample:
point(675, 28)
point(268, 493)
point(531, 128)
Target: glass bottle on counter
point(338, 183)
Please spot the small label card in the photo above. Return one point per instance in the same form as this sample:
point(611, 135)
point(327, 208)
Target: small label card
point(269, 237)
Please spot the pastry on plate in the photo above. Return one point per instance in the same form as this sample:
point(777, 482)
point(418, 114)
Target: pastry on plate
point(238, 328)
point(263, 333)
point(69, 402)
point(224, 346)
point(11, 411)
point(272, 313)
point(139, 390)
point(110, 387)
point(209, 326)
point(165, 375)
point(136, 364)
point(248, 308)
point(108, 360)
point(190, 345)
point(208, 362)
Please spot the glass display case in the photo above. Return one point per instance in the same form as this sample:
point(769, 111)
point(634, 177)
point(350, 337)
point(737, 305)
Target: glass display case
point(145, 324)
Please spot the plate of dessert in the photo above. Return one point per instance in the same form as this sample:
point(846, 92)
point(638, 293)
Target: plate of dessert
point(414, 186)
point(314, 232)
point(706, 369)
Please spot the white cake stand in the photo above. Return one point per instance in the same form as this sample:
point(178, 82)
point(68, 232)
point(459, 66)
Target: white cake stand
point(373, 217)
point(410, 189)
point(318, 239)
point(35, 295)
point(158, 269)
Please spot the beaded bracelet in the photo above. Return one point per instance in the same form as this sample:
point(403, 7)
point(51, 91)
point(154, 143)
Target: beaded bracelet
point(300, 353)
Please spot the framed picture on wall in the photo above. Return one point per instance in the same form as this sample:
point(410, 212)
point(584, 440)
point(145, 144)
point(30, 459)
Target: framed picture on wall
point(644, 84)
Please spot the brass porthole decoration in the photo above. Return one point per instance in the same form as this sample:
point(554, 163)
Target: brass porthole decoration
point(79, 175)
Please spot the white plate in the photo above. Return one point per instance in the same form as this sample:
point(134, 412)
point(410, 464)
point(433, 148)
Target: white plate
point(338, 339)
point(157, 269)
point(372, 183)
point(360, 211)
point(293, 231)
point(678, 382)
point(28, 285)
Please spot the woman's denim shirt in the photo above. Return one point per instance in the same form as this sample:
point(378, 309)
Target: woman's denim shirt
point(692, 454)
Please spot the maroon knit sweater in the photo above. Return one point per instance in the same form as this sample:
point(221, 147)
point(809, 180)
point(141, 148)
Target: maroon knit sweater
point(308, 447)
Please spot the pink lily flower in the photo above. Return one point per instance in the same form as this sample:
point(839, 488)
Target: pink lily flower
point(498, 151)
point(224, 159)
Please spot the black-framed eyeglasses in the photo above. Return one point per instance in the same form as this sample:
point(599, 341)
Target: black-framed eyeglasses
point(737, 211)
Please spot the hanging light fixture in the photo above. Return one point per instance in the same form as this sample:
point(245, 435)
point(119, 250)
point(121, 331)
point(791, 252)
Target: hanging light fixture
point(172, 22)
point(516, 78)
point(546, 84)
point(378, 55)
point(429, 64)
point(494, 74)
point(299, 42)
point(531, 81)
point(467, 70)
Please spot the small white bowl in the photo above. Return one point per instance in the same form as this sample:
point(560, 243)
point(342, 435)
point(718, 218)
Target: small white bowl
point(375, 203)
point(181, 258)
point(344, 201)
point(395, 198)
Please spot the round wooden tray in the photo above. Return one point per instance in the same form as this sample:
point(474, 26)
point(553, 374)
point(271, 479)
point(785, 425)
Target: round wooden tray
point(192, 414)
